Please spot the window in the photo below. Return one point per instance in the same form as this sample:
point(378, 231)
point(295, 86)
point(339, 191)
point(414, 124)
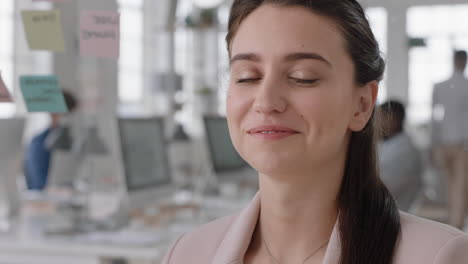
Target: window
point(378, 21)
point(131, 51)
point(16, 58)
point(444, 29)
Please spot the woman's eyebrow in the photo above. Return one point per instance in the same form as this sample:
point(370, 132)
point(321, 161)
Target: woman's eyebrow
point(245, 56)
point(290, 57)
point(307, 56)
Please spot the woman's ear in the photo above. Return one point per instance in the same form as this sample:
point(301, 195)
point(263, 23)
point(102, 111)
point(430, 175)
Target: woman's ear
point(364, 101)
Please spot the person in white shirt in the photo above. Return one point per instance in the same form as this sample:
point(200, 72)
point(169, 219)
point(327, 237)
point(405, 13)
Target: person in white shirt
point(399, 159)
point(450, 136)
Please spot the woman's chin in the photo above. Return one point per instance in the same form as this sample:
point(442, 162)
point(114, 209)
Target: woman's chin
point(273, 167)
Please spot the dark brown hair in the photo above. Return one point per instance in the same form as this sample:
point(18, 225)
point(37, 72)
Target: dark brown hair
point(392, 116)
point(369, 218)
point(460, 57)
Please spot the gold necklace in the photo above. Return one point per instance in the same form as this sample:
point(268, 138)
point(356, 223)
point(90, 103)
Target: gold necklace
point(303, 262)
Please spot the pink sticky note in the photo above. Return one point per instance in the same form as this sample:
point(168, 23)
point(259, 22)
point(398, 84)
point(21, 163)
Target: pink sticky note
point(100, 34)
point(5, 96)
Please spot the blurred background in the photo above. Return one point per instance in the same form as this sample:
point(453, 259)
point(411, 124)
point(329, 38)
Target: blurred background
point(145, 154)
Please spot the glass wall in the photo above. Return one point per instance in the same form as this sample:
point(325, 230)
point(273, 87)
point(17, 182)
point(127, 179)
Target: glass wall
point(443, 29)
point(16, 58)
point(6, 52)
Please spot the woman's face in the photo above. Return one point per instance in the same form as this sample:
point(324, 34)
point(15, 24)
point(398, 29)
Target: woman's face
point(292, 100)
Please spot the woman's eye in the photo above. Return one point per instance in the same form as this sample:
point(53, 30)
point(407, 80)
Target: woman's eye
point(304, 81)
point(247, 80)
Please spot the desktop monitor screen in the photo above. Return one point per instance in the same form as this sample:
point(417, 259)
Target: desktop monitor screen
point(223, 154)
point(144, 153)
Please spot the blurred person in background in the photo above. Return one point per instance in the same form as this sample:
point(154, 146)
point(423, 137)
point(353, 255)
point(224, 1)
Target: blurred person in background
point(450, 135)
point(399, 159)
point(38, 155)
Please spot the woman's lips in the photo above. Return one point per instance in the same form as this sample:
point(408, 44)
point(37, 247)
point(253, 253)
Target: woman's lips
point(272, 132)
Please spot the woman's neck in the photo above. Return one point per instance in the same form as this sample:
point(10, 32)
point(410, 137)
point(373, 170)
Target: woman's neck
point(297, 216)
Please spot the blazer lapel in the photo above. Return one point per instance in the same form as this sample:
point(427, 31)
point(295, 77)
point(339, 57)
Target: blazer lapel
point(333, 253)
point(237, 239)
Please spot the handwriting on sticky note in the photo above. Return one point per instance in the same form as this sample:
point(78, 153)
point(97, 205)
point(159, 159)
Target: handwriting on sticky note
point(43, 30)
point(5, 96)
point(111, 18)
point(42, 94)
point(45, 18)
point(100, 34)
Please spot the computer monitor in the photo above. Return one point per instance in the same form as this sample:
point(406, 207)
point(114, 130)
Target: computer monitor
point(226, 162)
point(145, 160)
point(11, 135)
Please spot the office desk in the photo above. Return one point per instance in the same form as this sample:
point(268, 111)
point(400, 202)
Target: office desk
point(27, 242)
point(17, 250)
point(20, 247)
point(28, 245)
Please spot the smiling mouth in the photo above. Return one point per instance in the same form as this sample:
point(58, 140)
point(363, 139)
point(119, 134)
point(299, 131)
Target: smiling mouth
point(271, 130)
point(274, 133)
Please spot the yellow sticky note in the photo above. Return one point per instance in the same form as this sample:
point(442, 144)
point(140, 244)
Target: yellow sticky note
point(43, 30)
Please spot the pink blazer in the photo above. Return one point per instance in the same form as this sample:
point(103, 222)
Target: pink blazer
point(225, 241)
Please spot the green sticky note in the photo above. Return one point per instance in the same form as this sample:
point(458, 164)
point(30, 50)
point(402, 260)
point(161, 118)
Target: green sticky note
point(43, 30)
point(42, 94)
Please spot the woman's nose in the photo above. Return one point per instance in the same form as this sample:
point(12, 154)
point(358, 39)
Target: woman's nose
point(270, 99)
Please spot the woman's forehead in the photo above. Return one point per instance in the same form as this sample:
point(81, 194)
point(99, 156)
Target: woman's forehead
point(273, 30)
